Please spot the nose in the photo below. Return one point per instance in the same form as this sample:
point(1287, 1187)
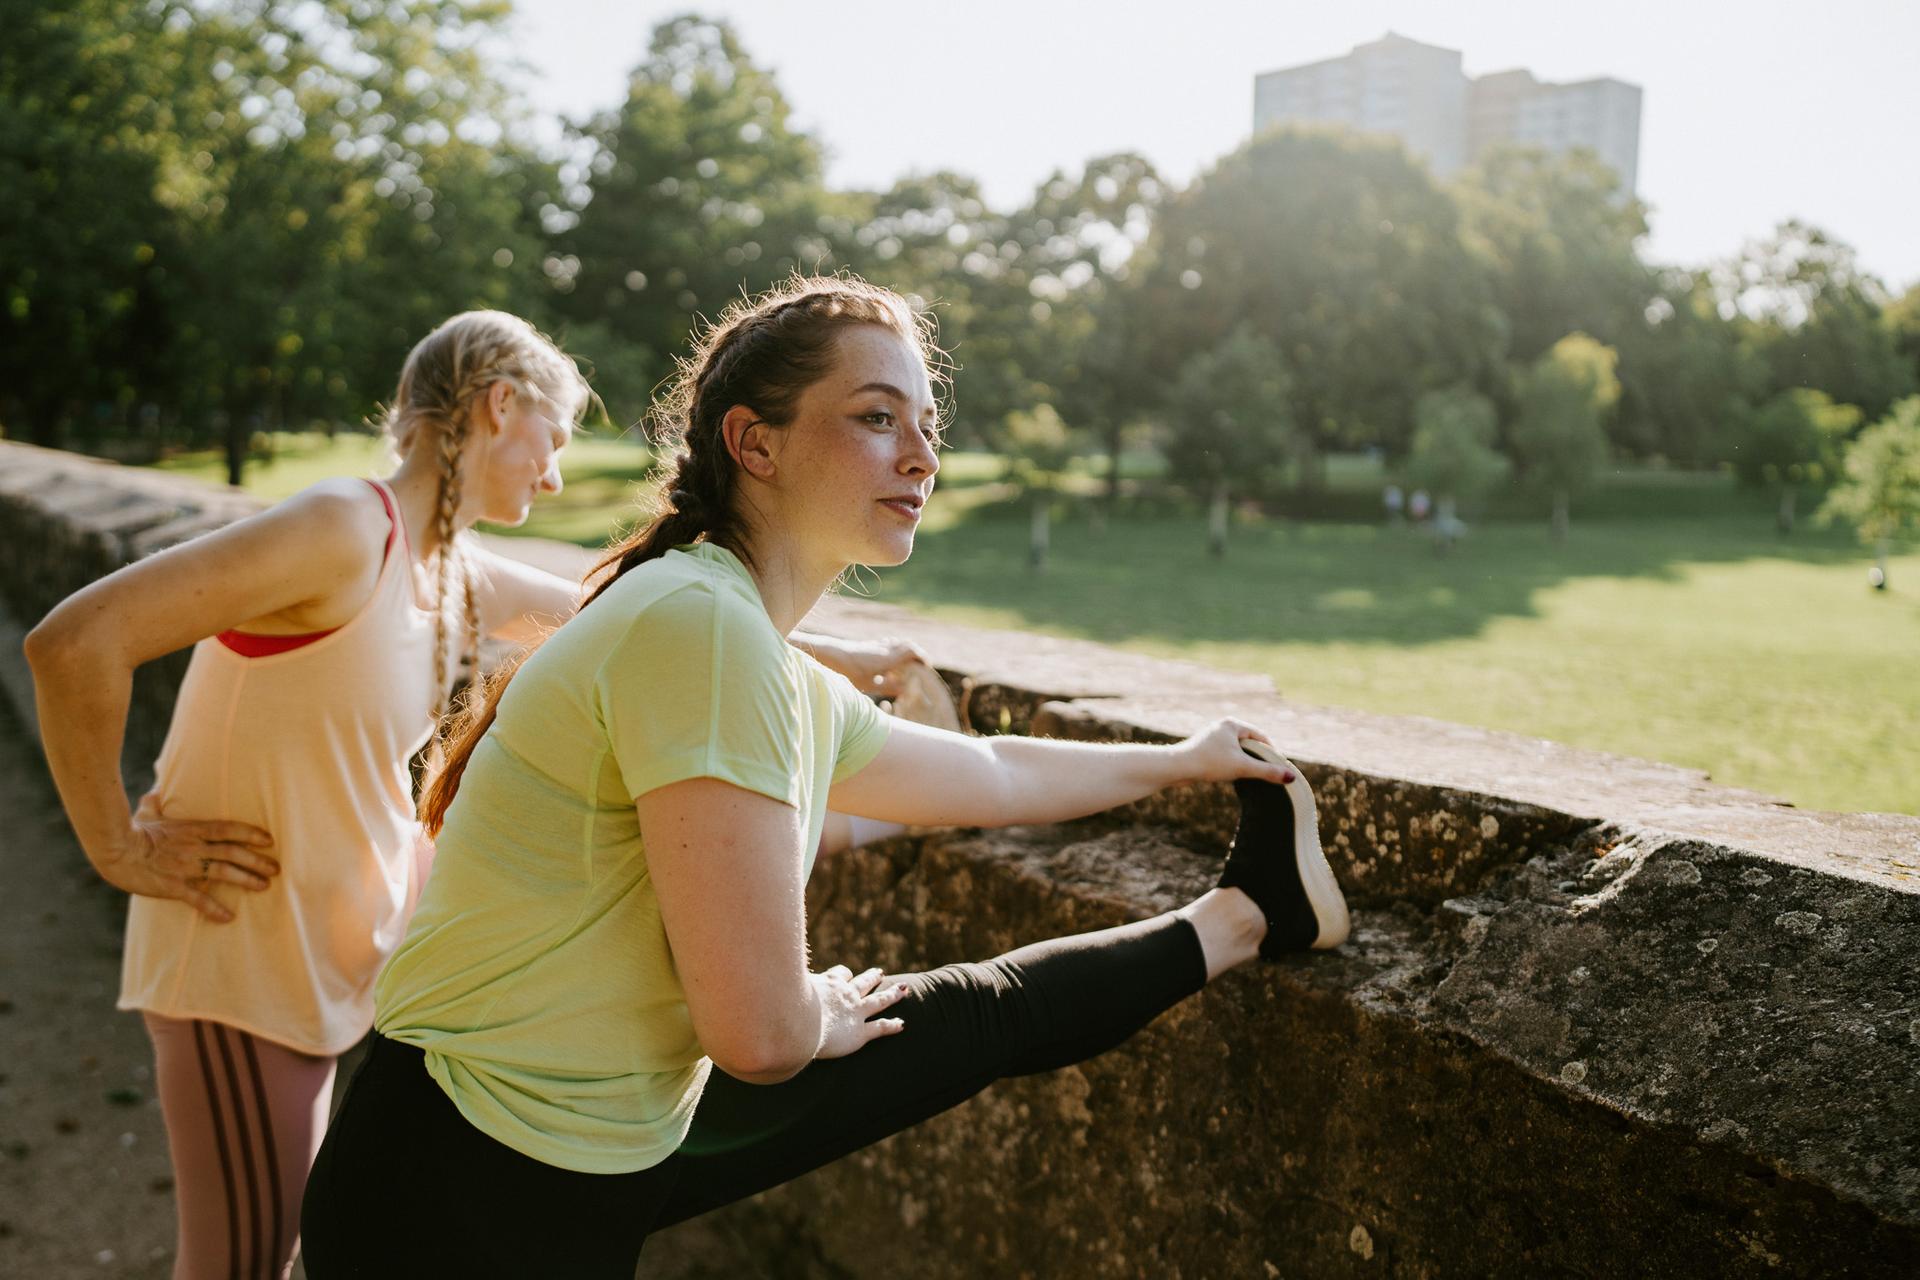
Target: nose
point(921, 459)
point(550, 481)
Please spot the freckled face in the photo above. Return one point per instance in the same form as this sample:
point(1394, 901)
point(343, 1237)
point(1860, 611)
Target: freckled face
point(856, 464)
point(523, 458)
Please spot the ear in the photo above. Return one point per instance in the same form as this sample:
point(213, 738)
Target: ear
point(749, 441)
point(494, 403)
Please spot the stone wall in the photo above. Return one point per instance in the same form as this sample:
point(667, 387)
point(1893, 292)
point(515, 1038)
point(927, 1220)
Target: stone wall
point(1598, 1016)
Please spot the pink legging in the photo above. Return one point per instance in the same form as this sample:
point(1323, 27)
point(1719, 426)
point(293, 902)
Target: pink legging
point(244, 1119)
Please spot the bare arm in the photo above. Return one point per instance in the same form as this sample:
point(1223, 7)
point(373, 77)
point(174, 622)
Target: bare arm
point(928, 777)
point(727, 867)
point(518, 602)
point(308, 557)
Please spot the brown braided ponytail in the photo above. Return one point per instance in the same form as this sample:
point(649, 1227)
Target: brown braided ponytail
point(441, 384)
point(763, 353)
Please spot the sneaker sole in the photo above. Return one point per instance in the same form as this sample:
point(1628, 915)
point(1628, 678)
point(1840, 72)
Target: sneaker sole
point(1316, 877)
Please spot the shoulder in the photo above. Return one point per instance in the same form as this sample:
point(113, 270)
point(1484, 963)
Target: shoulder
point(663, 620)
point(338, 526)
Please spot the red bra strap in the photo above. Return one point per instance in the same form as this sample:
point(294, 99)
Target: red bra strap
point(392, 519)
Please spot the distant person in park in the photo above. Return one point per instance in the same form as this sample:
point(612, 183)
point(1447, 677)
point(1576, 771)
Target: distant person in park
point(1419, 506)
point(275, 861)
point(602, 1019)
point(1396, 504)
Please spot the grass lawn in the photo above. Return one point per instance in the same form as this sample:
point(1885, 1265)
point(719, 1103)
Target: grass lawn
point(1675, 624)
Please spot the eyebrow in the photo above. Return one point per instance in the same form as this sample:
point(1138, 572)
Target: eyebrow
point(887, 388)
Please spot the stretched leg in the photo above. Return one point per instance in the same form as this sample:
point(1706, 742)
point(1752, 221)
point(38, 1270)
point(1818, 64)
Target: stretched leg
point(244, 1117)
point(1034, 1009)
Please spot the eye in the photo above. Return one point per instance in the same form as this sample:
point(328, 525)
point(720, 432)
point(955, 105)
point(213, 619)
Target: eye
point(879, 418)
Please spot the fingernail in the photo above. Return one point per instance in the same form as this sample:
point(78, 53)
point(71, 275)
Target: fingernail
point(1287, 777)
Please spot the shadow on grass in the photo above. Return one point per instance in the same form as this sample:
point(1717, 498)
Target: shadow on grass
point(1149, 576)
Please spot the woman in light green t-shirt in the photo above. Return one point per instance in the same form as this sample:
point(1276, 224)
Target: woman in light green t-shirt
point(603, 1014)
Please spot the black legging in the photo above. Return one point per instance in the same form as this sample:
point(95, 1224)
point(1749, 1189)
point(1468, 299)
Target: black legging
point(404, 1185)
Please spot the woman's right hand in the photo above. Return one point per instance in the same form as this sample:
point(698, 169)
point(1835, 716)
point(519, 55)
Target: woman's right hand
point(847, 1002)
point(182, 858)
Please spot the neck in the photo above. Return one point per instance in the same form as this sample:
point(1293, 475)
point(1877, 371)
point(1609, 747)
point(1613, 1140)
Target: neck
point(790, 582)
point(416, 487)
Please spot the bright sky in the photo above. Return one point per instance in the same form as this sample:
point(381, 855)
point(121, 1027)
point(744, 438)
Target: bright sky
point(1753, 110)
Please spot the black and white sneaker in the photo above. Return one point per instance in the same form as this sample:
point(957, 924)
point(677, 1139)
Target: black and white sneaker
point(1276, 860)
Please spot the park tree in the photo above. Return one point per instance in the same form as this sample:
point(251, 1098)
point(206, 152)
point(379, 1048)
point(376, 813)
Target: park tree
point(87, 97)
point(1453, 454)
point(694, 188)
point(932, 237)
point(1346, 256)
point(301, 187)
point(1795, 438)
point(1559, 237)
point(1039, 448)
point(1902, 319)
point(1688, 377)
point(1087, 235)
point(1230, 419)
point(1879, 490)
point(1558, 433)
point(1816, 317)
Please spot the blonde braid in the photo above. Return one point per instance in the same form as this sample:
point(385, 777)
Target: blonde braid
point(452, 436)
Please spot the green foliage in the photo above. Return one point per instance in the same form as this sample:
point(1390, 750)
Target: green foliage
point(1230, 415)
point(1558, 237)
point(1558, 431)
point(694, 189)
point(1902, 320)
point(1815, 317)
point(1039, 447)
point(1688, 377)
point(1795, 436)
point(292, 195)
point(1343, 252)
point(1453, 453)
point(1879, 493)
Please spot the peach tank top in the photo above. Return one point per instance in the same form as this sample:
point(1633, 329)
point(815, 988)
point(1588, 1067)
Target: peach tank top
point(311, 744)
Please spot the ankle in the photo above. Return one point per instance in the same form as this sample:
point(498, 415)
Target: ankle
point(1230, 926)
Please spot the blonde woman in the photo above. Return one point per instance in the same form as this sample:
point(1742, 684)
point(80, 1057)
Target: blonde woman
point(274, 863)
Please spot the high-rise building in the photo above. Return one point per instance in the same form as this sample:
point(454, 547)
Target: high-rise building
point(1419, 94)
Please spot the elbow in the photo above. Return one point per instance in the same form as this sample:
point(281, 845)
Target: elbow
point(766, 1050)
point(44, 643)
point(59, 643)
point(765, 1059)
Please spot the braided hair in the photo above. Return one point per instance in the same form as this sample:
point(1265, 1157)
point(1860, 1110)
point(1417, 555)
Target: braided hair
point(441, 383)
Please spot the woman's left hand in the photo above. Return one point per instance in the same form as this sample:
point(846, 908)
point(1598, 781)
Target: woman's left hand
point(1214, 755)
point(873, 666)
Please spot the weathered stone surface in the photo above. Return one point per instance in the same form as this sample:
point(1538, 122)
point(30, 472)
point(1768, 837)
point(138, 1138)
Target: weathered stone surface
point(1532, 1082)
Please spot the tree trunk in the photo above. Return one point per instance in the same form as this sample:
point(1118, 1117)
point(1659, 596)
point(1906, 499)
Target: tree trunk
point(1783, 519)
point(1039, 531)
point(1560, 518)
point(1217, 519)
point(235, 443)
point(1114, 434)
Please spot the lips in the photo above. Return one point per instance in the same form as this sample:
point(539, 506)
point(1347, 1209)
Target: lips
point(907, 505)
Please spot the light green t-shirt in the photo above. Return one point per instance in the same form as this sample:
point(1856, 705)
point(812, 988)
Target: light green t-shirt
point(536, 973)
